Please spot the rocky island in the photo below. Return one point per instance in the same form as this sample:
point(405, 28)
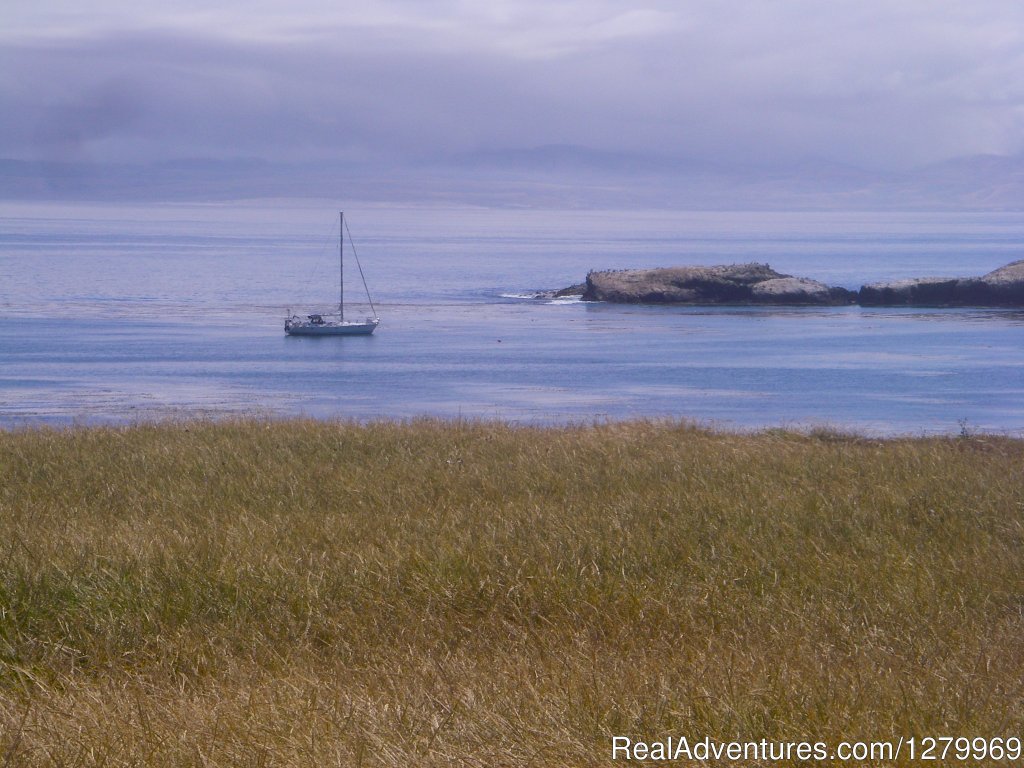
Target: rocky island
point(760, 284)
point(1003, 287)
point(732, 284)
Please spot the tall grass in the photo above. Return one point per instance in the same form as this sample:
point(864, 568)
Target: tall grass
point(302, 593)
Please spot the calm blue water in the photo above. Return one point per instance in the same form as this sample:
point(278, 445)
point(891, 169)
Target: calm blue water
point(112, 314)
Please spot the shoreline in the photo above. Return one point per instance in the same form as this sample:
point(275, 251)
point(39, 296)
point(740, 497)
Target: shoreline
point(823, 431)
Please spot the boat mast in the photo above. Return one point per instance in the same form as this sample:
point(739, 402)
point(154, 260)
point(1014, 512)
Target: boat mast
point(341, 266)
point(360, 267)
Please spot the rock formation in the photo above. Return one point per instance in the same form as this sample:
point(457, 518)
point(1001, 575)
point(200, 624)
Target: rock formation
point(561, 293)
point(799, 290)
point(733, 284)
point(760, 284)
point(1006, 284)
point(1003, 287)
point(918, 291)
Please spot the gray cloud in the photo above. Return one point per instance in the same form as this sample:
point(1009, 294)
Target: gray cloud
point(875, 83)
point(105, 110)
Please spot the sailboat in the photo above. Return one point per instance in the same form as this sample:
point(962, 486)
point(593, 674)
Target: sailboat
point(329, 325)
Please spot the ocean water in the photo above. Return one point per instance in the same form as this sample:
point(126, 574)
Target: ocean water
point(124, 313)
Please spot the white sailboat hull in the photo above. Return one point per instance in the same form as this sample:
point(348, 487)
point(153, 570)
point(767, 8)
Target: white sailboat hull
point(328, 325)
point(296, 327)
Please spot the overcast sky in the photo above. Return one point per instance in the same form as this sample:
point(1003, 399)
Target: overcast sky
point(875, 83)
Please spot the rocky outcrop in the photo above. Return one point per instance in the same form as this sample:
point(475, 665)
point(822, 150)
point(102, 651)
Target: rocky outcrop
point(760, 284)
point(921, 291)
point(799, 290)
point(1003, 287)
point(561, 293)
point(733, 284)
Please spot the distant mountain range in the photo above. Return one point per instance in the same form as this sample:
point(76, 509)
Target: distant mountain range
point(557, 175)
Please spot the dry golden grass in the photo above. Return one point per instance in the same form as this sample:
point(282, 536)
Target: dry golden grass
point(301, 593)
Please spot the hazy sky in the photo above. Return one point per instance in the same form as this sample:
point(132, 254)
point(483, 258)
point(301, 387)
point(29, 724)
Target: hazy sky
point(878, 83)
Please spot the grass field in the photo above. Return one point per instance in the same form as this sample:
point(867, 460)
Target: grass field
point(300, 593)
